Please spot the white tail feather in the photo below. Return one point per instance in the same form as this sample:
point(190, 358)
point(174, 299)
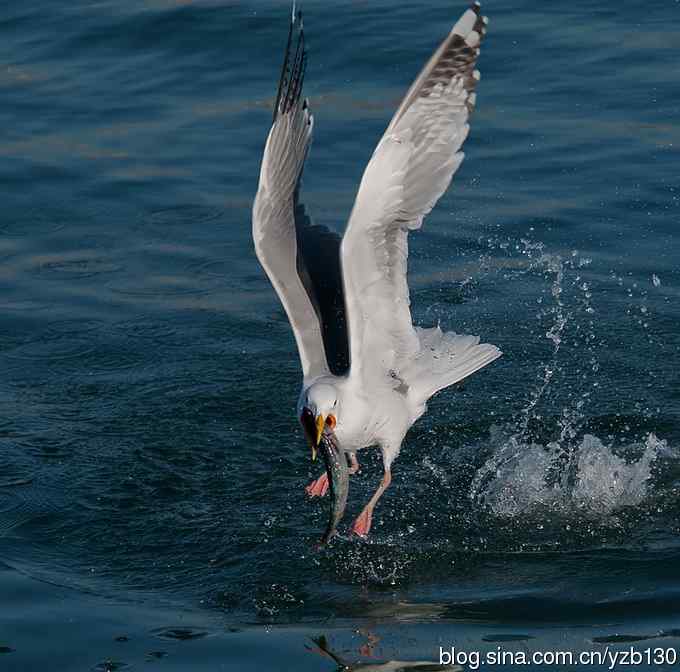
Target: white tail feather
point(445, 359)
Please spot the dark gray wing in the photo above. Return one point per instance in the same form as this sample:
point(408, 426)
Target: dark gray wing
point(302, 261)
point(319, 267)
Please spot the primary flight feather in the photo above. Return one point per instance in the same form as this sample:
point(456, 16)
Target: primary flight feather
point(367, 371)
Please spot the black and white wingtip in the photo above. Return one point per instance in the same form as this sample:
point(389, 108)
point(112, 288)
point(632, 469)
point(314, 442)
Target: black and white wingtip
point(471, 29)
point(294, 67)
point(472, 26)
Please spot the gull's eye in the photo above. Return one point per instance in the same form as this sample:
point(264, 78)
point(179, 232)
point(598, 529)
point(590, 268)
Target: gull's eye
point(330, 421)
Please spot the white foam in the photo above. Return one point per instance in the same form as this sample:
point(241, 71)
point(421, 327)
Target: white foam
point(592, 478)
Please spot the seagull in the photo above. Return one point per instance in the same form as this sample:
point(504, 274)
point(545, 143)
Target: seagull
point(367, 371)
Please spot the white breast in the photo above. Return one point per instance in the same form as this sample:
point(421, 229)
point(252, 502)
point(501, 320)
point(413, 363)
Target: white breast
point(385, 417)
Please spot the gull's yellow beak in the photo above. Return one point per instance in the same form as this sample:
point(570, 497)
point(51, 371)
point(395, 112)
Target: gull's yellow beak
point(320, 424)
point(313, 426)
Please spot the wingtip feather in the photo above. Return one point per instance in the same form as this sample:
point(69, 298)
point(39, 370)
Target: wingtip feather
point(294, 66)
point(470, 23)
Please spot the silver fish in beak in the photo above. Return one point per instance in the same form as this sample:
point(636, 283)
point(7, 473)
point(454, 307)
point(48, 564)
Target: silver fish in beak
point(337, 469)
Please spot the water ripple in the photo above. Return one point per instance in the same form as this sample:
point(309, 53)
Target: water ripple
point(77, 269)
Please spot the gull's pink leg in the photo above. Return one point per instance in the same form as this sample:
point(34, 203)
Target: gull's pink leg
point(362, 524)
point(319, 487)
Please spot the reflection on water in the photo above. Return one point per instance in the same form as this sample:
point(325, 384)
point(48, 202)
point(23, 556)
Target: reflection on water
point(375, 665)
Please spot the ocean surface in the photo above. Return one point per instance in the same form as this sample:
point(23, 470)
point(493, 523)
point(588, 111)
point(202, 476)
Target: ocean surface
point(152, 471)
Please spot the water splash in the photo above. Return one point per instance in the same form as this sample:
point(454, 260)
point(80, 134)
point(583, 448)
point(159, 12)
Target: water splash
point(553, 265)
point(591, 478)
point(547, 460)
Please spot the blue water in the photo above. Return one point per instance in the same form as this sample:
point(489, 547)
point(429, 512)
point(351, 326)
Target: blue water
point(150, 459)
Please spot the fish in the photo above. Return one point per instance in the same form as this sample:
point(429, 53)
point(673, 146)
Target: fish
point(337, 469)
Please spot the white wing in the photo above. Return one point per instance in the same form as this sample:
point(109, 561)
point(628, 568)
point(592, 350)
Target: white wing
point(411, 168)
point(301, 260)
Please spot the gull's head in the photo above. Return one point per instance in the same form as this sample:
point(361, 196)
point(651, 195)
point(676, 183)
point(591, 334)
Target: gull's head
point(319, 412)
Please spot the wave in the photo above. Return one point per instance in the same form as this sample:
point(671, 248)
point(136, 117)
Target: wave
point(590, 478)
